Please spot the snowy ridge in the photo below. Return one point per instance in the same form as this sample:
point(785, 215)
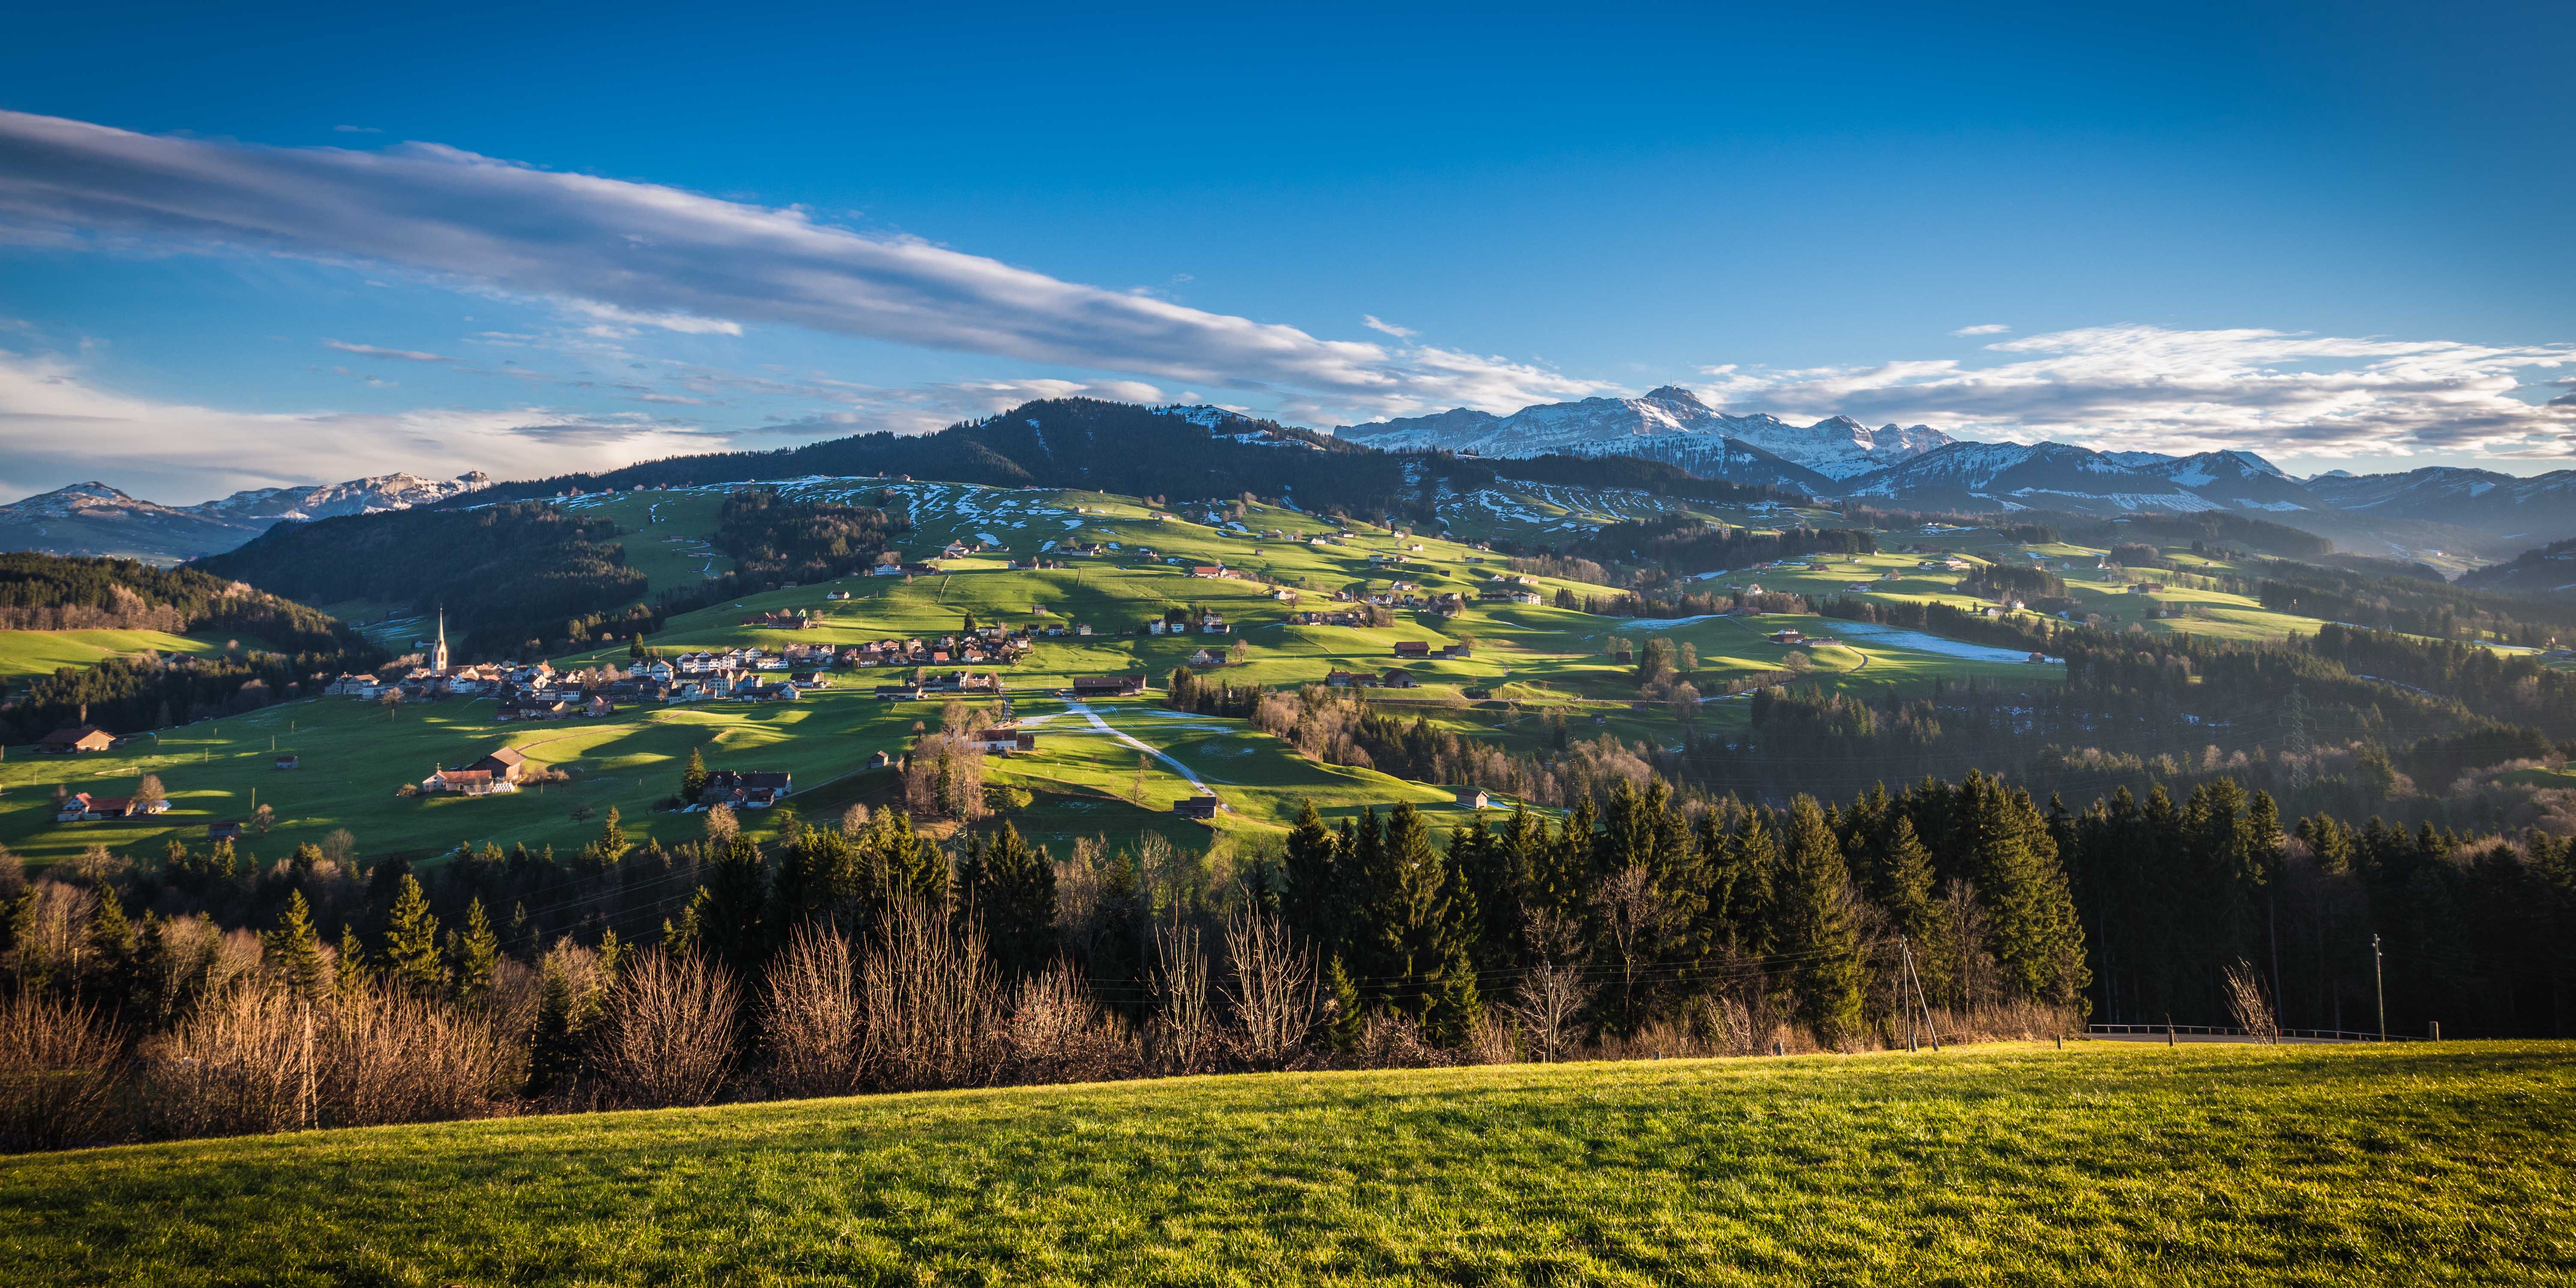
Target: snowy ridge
point(1670, 423)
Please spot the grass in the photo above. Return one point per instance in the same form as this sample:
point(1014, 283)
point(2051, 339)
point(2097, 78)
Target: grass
point(2102, 1164)
point(27, 654)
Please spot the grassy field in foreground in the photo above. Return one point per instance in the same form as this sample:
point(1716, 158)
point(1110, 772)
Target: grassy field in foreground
point(2104, 1163)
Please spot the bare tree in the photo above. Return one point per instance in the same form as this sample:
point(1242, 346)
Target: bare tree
point(667, 1035)
point(1178, 1036)
point(721, 824)
point(1548, 1004)
point(928, 1002)
point(810, 1015)
point(1271, 989)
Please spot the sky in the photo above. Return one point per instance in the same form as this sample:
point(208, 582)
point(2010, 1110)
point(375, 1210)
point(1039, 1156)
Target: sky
point(308, 245)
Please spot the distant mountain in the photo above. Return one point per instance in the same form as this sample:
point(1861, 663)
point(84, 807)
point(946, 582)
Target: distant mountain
point(2236, 480)
point(95, 519)
point(2527, 511)
point(2010, 476)
point(331, 500)
point(1668, 424)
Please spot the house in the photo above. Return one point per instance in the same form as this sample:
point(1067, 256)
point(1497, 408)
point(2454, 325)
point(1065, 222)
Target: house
point(899, 692)
point(1412, 648)
point(1350, 680)
point(505, 764)
point(1197, 807)
point(1108, 686)
point(1397, 677)
point(598, 706)
point(467, 782)
point(225, 831)
point(1785, 637)
point(290, 762)
point(1205, 658)
point(1457, 650)
point(880, 760)
point(753, 790)
point(1473, 798)
point(1209, 570)
point(75, 740)
point(1004, 741)
point(73, 808)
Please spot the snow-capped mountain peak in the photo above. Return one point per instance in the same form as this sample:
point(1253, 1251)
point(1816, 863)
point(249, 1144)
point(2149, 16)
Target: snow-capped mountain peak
point(1667, 423)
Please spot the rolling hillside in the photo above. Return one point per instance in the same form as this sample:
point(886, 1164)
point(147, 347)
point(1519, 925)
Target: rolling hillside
point(2104, 1163)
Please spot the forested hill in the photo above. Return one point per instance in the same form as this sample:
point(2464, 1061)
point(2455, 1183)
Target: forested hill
point(289, 645)
point(508, 576)
point(1064, 443)
point(40, 592)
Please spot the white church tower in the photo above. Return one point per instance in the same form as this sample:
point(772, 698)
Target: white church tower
point(438, 651)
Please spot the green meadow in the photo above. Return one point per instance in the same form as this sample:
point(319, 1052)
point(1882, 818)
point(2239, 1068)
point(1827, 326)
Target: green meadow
point(2103, 1163)
point(26, 654)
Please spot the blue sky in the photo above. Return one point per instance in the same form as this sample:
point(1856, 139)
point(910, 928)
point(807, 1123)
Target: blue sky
point(309, 245)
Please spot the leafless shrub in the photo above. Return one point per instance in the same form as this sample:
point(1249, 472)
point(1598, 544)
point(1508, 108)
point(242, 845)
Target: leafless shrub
point(385, 1055)
point(928, 999)
point(2250, 1002)
point(1271, 989)
point(1057, 1033)
point(1974, 979)
point(810, 1016)
point(1178, 1036)
point(667, 1035)
point(243, 1063)
point(57, 1074)
point(1393, 1041)
point(1495, 1041)
point(1730, 1026)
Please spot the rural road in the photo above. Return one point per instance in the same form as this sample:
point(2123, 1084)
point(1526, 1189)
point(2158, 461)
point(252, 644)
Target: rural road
point(1084, 710)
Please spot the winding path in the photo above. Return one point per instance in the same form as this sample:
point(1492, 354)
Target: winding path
point(1085, 711)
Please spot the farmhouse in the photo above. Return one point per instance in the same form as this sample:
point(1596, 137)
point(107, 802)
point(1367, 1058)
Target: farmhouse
point(1473, 798)
point(1108, 686)
point(1197, 807)
point(505, 764)
point(467, 782)
point(1397, 677)
point(290, 762)
point(1005, 741)
point(75, 740)
point(1412, 648)
point(754, 790)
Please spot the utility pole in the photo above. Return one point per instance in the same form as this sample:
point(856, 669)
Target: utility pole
point(2379, 981)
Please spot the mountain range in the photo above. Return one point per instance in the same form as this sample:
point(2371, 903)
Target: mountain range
point(2449, 517)
point(2452, 519)
point(95, 519)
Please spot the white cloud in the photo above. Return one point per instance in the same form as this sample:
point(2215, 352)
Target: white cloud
point(1983, 328)
point(356, 129)
point(2149, 388)
point(56, 427)
point(1371, 321)
point(372, 351)
point(641, 254)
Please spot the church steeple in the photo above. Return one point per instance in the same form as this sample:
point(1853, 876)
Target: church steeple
point(438, 651)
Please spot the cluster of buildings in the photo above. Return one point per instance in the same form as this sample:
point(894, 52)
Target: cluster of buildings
point(1395, 677)
point(951, 684)
point(987, 645)
point(81, 807)
point(1209, 622)
point(496, 774)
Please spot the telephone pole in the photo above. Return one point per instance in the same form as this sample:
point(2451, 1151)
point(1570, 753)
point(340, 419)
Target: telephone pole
point(2379, 982)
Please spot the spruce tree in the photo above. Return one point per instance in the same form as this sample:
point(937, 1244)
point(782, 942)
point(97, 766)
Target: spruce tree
point(1342, 1029)
point(476, 954)
point(293, 950)
point(1813, 927)
point(1313, 905)
point(110, 968)
point(731, 920)
point(693, 777)
point(349, 972)
point(411, 941)
point(1017, 898)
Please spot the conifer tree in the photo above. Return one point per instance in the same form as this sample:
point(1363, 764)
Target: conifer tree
point(411, 941)
point(1813, 927)
point(294, 950)
point(1314, 897)
point(1019, 902)
point(110, 967)
point(731, 921)
point(1342, 1029)
point(476, 955)
point(350, 971)
point(693, 777)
